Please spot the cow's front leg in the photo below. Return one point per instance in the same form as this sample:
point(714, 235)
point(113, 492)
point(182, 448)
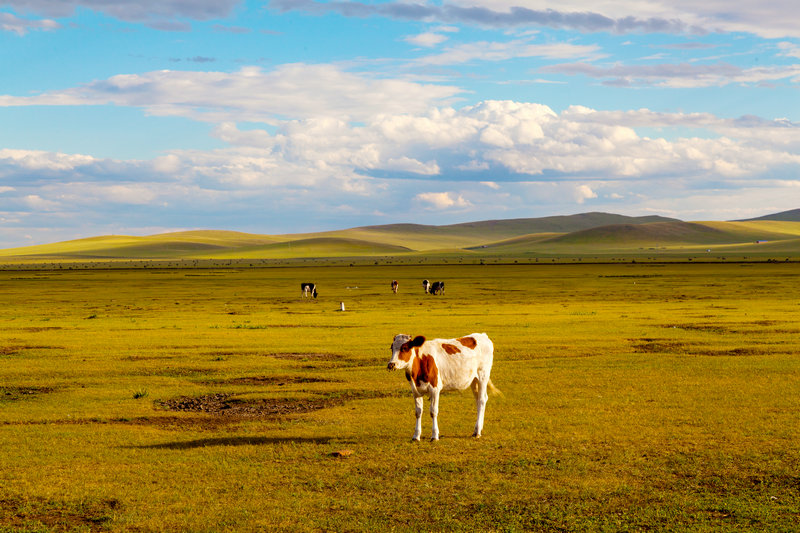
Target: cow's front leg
point(418, 414)
point(434, 414)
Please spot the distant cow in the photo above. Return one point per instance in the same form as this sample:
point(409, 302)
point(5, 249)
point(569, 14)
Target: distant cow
point(394, 286)
point(444, 364)
point(309, 289)
point(426, 285)
point(437, 287)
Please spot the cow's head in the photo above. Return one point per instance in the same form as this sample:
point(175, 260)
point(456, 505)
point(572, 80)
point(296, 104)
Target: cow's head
point(314, 294)
point(403, 350)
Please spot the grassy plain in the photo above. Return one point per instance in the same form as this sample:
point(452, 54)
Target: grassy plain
point(635, 397)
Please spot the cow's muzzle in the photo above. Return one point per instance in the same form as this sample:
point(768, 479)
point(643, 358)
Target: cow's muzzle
point(390, 366)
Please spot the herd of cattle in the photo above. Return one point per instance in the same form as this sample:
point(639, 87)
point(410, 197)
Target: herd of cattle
point(309, 290)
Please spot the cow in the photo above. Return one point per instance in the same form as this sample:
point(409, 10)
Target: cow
point(309, 289)
point(426, 285)
point(394, 286)
point(437, 287)
point(437, 365)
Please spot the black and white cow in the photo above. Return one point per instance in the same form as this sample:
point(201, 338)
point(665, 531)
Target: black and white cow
point(426, 285)
point(309, 289)
point(437, 287)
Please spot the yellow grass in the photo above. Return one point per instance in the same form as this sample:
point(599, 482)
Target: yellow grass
point(635, 397)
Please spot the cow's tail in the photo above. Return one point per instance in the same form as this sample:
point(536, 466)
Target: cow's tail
point(492, 389)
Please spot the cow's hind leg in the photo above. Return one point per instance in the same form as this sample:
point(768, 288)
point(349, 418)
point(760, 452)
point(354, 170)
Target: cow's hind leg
point(418, 414)
point(435, 415)
point(481, 397)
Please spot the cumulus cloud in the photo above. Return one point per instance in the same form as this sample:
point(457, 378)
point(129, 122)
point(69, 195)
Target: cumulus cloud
point(442, 200)
point(490, 142)
point(251, 94)
point(500, 157)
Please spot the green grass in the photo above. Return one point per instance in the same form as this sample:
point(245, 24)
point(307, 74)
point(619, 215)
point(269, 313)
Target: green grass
point(635, 397)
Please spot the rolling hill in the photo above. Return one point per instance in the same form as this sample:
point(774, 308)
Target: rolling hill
point(785, 216)
point(595, 233)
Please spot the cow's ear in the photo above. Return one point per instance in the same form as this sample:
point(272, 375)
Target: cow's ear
point(419, 340)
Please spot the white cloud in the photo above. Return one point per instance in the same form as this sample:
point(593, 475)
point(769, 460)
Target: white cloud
point(583, 193)
point(442, 200)
point(250, 94)
point(546, 162)
point(427, 39)
point(502, 51)
point(678, 76)
point(12, 23)
point(34, 201)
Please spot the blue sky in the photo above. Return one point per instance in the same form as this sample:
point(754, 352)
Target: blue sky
point(281, 116)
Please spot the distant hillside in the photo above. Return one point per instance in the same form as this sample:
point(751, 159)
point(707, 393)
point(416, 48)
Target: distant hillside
point(658, 234)
point(662, 232)
point(493, 230)
point(785, 216)
point(573, 235)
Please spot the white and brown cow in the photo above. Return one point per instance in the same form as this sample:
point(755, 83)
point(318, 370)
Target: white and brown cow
point(395, 286)
point(437, 365)
point(309, 289)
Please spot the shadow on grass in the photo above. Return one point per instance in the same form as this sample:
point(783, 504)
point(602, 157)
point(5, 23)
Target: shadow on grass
point(231, 441)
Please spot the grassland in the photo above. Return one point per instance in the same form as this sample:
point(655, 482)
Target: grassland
point(635, 397)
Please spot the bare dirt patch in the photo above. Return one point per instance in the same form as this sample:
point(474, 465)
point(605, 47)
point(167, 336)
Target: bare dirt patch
point(303, 356)
point(231, 406)
point(18, 514)
point(648, 345)
point(16, 350)
point(270, 381)
point(174, 372)
point(654, 346)
point(735, 352)
point(22, 393)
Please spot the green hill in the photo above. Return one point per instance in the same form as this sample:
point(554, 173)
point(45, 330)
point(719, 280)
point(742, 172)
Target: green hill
point(574, 235)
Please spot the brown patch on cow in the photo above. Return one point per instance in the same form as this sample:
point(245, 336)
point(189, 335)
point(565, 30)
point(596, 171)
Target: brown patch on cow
point(424, 370)
point(431, 370)
point(405, 349)
point(469, 342)
point(450, 349)
point(405, 353)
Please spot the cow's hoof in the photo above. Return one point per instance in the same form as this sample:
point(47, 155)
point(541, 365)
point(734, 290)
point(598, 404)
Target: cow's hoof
point(434, 439)
point(476, 436)
point(414, 439)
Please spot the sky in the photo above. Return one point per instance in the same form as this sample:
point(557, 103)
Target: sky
point(137, 117)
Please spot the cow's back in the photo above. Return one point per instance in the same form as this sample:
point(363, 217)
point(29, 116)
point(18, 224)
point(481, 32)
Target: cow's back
point(461, 360)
